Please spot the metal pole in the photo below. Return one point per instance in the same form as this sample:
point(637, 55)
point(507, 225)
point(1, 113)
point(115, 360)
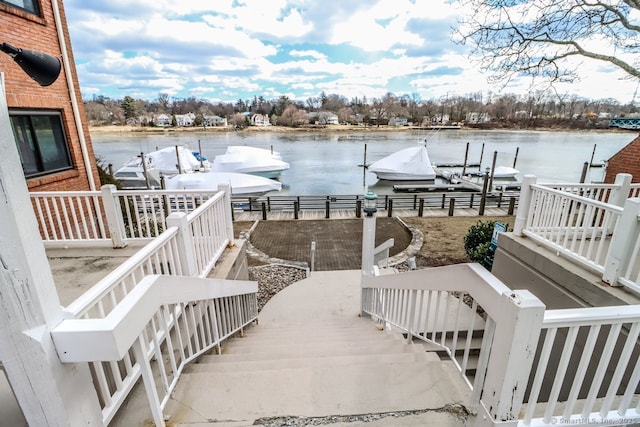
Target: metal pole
point(481, 154)
point(200, 154)
point(515, 159)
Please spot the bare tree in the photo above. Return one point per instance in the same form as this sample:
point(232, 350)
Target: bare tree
point(539, 38)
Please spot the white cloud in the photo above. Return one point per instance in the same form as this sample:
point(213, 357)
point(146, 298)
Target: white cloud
point(231, 49)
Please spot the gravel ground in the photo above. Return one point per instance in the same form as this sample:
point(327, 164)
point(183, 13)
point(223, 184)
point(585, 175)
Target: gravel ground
point(272, 279)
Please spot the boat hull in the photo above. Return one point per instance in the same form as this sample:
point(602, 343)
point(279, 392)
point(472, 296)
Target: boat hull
point(394, 176)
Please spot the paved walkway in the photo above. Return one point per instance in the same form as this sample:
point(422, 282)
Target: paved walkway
point(338, 241)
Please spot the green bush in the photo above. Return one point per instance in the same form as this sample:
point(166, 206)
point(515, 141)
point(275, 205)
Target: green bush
point(478, 240)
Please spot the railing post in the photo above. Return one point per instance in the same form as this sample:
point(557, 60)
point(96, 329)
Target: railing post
point(113, 211)
point(623, 240)
point(621, 193)
point(228, 216)
point(517, 330)
point(524, 203)
point(184, 242)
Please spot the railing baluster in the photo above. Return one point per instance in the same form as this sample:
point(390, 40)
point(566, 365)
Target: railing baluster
point(605, 357)
point(581, 371)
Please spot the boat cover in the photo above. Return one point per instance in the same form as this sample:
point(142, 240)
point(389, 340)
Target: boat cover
point(249, 160)
point(410, 163)
point(241, 183)
point(165, 160)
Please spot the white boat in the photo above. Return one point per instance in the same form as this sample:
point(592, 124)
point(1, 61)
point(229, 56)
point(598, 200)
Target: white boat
point(131, 177)
point(161, 162)
point(505, 172)
point(410, 164)
point(242, 184)
point(251, 160)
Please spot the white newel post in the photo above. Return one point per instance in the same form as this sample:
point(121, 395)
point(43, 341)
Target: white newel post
point(368, 249)
point(185, 243)
point(622, 242)
point(113, 211)
point(621, 194)
point(49, 392)
point(524, 204)
point(228, 216)
point(517, 330)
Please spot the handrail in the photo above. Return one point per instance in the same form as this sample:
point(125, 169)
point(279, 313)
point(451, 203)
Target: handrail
point(594, 375)
point(571, 224)
point(105, 286)
point(165, 321)
point(110, 338)
point(431, 304)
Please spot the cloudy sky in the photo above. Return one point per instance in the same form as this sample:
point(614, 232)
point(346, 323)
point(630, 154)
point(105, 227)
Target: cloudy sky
point(225, 50)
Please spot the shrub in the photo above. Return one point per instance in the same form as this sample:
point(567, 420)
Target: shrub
point(478, 240)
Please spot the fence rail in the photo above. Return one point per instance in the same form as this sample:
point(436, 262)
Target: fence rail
point(110, 216)
point(417, 201)
point(587, 368)
point(574, 225)
point(595, 225)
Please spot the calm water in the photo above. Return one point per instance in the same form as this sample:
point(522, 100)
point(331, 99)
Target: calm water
point(324, 164)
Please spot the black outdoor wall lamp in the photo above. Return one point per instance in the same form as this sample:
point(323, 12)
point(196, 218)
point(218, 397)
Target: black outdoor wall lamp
point(41, 67)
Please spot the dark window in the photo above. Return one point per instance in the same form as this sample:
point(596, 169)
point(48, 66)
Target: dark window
point(41, 142)
point(28, 5)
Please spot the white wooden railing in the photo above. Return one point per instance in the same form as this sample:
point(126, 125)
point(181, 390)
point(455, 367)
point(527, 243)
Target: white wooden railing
point(532, 368)
point(587, 371)
point(161, 325)
point(595, 225)
point(110, 216)
point(189, 247)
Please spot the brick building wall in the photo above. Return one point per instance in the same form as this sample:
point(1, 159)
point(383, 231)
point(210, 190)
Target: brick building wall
point(26, 30)
point(627, 160)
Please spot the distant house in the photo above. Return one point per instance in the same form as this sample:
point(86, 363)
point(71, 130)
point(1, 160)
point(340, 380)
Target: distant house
point(627, 160)
point(399, 121)
point(162, 120)
point(323, 118)
point(475, 117)
point(260, 120)
point(214, 121)
point(438, 118)
point(185, 119)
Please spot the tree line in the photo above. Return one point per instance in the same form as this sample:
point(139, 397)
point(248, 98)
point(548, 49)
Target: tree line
point(541, 108)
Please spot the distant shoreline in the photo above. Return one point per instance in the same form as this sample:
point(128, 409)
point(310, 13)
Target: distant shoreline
point(113, 129)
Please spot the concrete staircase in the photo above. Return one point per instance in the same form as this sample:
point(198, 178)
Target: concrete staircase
point(313, 361)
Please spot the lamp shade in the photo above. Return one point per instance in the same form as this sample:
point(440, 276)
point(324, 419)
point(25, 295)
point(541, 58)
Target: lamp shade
point(370, 202)
point(41, 67)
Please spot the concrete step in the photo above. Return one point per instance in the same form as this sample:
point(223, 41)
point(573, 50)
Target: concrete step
point(250, 343)
point(226, 364)
point(313, 350)
point(258, 336)
point(304, 333)
point(316, 391)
